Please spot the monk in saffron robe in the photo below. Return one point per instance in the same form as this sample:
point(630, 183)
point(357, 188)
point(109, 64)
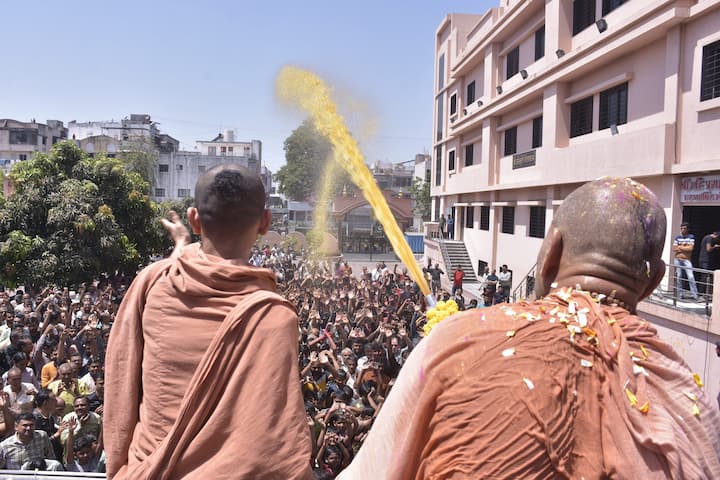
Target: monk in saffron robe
point(572, 385)
point(202, 372)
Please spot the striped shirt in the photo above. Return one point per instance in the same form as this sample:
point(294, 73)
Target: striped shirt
point(14, 453)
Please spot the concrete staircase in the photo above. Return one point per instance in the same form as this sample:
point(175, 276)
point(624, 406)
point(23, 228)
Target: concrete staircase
point(455, 255)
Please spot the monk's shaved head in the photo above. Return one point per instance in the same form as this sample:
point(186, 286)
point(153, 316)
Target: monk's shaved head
point(610, 228)
point(229, 198)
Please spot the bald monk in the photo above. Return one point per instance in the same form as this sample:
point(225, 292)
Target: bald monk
point(573, 385)
point(202, 372)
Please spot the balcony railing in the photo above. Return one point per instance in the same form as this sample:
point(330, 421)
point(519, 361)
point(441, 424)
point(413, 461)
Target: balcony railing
point(675, 291)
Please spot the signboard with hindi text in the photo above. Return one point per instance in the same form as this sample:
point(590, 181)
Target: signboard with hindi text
point(522, 160)
point(700, 189)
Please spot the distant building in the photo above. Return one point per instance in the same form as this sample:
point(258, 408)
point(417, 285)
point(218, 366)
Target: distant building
point(178, 171)
point(20, 140)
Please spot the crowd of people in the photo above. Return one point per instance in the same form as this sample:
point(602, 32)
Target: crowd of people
point(356, 330)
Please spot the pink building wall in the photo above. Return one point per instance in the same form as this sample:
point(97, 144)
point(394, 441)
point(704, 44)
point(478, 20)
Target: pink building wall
point(656, 47)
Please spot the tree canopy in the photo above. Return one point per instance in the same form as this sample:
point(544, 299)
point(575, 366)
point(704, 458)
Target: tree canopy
point(420, 191)
point(72, 217)
point(306, 153)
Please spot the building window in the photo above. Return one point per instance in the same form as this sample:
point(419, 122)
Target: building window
point(537, 222)
point(469, 217)
point(212, 150)
point(540, 43)
point(438, 165)
point(163, 167)
point(453, 104)
point(581, 114)
point(537, 132)
point(44, 140)
point(613, 106)
point(230, 150)
point(583, 15)
point(512, 62)
point(201, 168)
point(610, 5)
point(183, 192)
point(159, 192)
point(485, 218)
point(223, 150)
point(441, 72)
point(451, 160)
point(510, 141)
point(23, 137)
point(710, 77)
point(470, 98)
point(23, 156)
point(469, 153)
point(508, 220)
point(440, 118)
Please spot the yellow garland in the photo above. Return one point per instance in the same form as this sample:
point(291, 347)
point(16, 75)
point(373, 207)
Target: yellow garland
point(438, 313)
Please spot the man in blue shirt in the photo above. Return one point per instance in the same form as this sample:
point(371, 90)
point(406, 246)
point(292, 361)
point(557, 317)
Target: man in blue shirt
point(683, 246)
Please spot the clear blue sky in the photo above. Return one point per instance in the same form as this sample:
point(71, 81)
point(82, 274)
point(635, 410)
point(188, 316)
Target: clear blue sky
point(200, 67)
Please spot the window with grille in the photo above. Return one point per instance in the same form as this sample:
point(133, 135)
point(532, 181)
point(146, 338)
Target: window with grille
point(610, 5)
point(613, 106)
point(540, 43)
point(583, 15)
point(581, 115)
point(469, 154)
point(438, 164)
point(510, 141)
point(183, 192)
point(201, 168)
point(512, 62)
point(453, 104)
point(710, 77)
point(164, 167)
point(508, 220)
point(159, 192)
point(537, 222)
point(470, 97)
point(469, 217)
point(484, 218)
point(451, 160)
point(537, 132)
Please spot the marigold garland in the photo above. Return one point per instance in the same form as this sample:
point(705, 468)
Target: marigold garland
point(438, 313)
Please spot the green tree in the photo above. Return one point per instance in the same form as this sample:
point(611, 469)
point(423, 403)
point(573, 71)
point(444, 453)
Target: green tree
point(420, 191)
point(306, 152)
point(140, 155)
point(72, 218)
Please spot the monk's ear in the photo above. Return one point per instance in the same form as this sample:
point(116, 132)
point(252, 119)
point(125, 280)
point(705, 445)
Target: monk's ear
point(549, 261)
point(265, 222)
point(193, 217)
point(656, 274)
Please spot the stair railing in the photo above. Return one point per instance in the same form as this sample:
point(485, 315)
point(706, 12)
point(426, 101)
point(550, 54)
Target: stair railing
point(526, 287)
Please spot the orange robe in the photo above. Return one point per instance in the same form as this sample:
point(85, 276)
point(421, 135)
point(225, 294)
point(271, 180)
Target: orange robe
point(558, 388)
point(182, 401)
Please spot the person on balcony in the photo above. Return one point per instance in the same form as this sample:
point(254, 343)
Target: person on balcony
point(683, 246)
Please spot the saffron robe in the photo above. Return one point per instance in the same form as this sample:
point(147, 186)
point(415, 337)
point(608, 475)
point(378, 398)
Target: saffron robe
point(181, 400)
point(558, 388)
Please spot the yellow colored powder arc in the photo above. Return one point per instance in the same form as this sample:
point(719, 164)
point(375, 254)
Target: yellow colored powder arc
point(311, 94)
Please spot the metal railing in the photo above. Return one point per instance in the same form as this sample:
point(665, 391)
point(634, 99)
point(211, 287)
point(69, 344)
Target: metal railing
point(676, 289)
point(526, 287)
